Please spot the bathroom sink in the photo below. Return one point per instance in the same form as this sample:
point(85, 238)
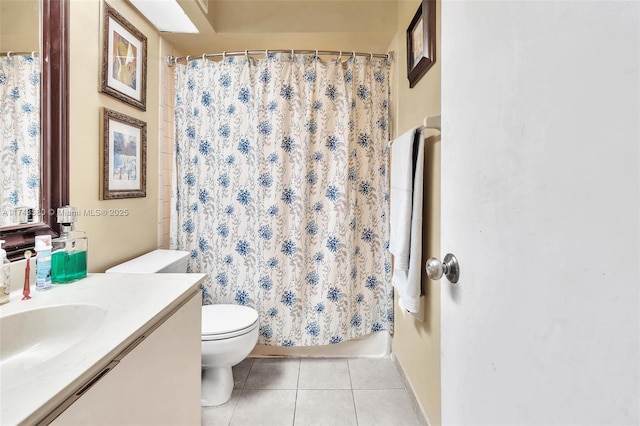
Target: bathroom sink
point(29, 338)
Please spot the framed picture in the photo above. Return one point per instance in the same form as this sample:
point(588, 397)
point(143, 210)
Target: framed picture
point(124, 156)
point(124, 60)
point(421, 42)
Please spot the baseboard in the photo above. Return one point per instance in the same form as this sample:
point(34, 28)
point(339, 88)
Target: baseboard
point(415, 404)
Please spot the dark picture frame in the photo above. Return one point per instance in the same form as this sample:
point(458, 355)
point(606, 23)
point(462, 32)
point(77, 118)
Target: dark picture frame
point(124, 156)
point(124, 60)
point(421, 42)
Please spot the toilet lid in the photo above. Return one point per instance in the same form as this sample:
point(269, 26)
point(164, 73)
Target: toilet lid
point(223, 319)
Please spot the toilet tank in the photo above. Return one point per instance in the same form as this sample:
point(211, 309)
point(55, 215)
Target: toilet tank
point(157, 261)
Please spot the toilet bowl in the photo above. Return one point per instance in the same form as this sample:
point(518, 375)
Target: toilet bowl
point(229, 332)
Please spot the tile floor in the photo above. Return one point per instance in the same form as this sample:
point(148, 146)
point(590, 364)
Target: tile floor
point(304, 392)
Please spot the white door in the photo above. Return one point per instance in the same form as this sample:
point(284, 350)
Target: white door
point(540, 204)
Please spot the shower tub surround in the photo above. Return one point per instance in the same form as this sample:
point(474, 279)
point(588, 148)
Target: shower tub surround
point(129, 316)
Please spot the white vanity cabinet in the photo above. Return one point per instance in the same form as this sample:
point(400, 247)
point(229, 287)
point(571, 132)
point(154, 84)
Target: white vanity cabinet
point(155, 381)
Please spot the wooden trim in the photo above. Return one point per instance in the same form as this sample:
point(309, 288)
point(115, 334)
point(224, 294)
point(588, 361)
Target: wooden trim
point(54, 125)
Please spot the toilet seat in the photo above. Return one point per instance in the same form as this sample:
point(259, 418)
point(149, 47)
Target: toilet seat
point(226, 321)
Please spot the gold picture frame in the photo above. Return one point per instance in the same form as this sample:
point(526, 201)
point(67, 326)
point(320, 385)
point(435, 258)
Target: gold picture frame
point(124, 60)
point(124, 156)
point(421, 42)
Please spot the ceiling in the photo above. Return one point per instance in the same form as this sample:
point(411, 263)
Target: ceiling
point(359, 25)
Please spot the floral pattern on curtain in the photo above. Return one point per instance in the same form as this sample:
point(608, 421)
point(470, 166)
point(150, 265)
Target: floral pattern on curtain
point(281, 191)
point(19, 134)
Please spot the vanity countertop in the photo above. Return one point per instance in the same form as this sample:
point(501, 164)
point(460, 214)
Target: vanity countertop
point(133, 304)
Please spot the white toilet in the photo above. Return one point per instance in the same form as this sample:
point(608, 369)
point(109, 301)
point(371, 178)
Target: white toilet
point(229, 332)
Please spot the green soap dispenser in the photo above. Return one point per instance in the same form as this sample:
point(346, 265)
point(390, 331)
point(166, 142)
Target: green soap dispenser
point(69, 258)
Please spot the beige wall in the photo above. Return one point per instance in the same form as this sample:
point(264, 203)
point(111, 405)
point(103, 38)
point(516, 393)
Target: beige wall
point(416, 344)
point(112, 239)
point(362, 25)
point(19, 25)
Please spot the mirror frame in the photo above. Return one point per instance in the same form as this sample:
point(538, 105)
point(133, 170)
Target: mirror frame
point(54, 130)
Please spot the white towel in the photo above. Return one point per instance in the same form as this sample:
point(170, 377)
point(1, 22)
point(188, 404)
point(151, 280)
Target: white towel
point(401, 199)
point(407, 282)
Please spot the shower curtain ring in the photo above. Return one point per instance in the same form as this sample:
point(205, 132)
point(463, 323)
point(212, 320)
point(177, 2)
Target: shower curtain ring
point(187, 59)
point(370, 56)
point(9, 55)
point(340, 55)
point(266, 53)
point(246, 54)
point(204, 57)
point(353, 54)
point(316, 53)
point(224, 55)
point(292, 54)
point(33, 54)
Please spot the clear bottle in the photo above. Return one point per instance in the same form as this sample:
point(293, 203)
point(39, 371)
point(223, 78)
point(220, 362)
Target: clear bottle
point(69, 259)
point(5, 276)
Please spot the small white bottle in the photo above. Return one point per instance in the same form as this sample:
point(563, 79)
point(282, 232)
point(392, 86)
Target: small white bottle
point(43, 262)
point(5, 275)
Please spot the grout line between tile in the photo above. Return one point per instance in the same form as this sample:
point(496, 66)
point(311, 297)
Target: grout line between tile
point(244, 382)
point(235, 407)
point(295, 403)
point(353, 397)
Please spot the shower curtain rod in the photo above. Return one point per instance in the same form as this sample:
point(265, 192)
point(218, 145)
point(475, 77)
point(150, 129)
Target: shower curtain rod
point(10, 54)
point(173, 60)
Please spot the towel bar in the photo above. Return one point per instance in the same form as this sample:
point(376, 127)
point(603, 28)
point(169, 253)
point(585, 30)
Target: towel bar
point(431, 123)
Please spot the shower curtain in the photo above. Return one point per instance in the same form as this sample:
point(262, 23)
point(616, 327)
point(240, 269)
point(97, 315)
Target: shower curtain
point(19, 134)
point(281, 191)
